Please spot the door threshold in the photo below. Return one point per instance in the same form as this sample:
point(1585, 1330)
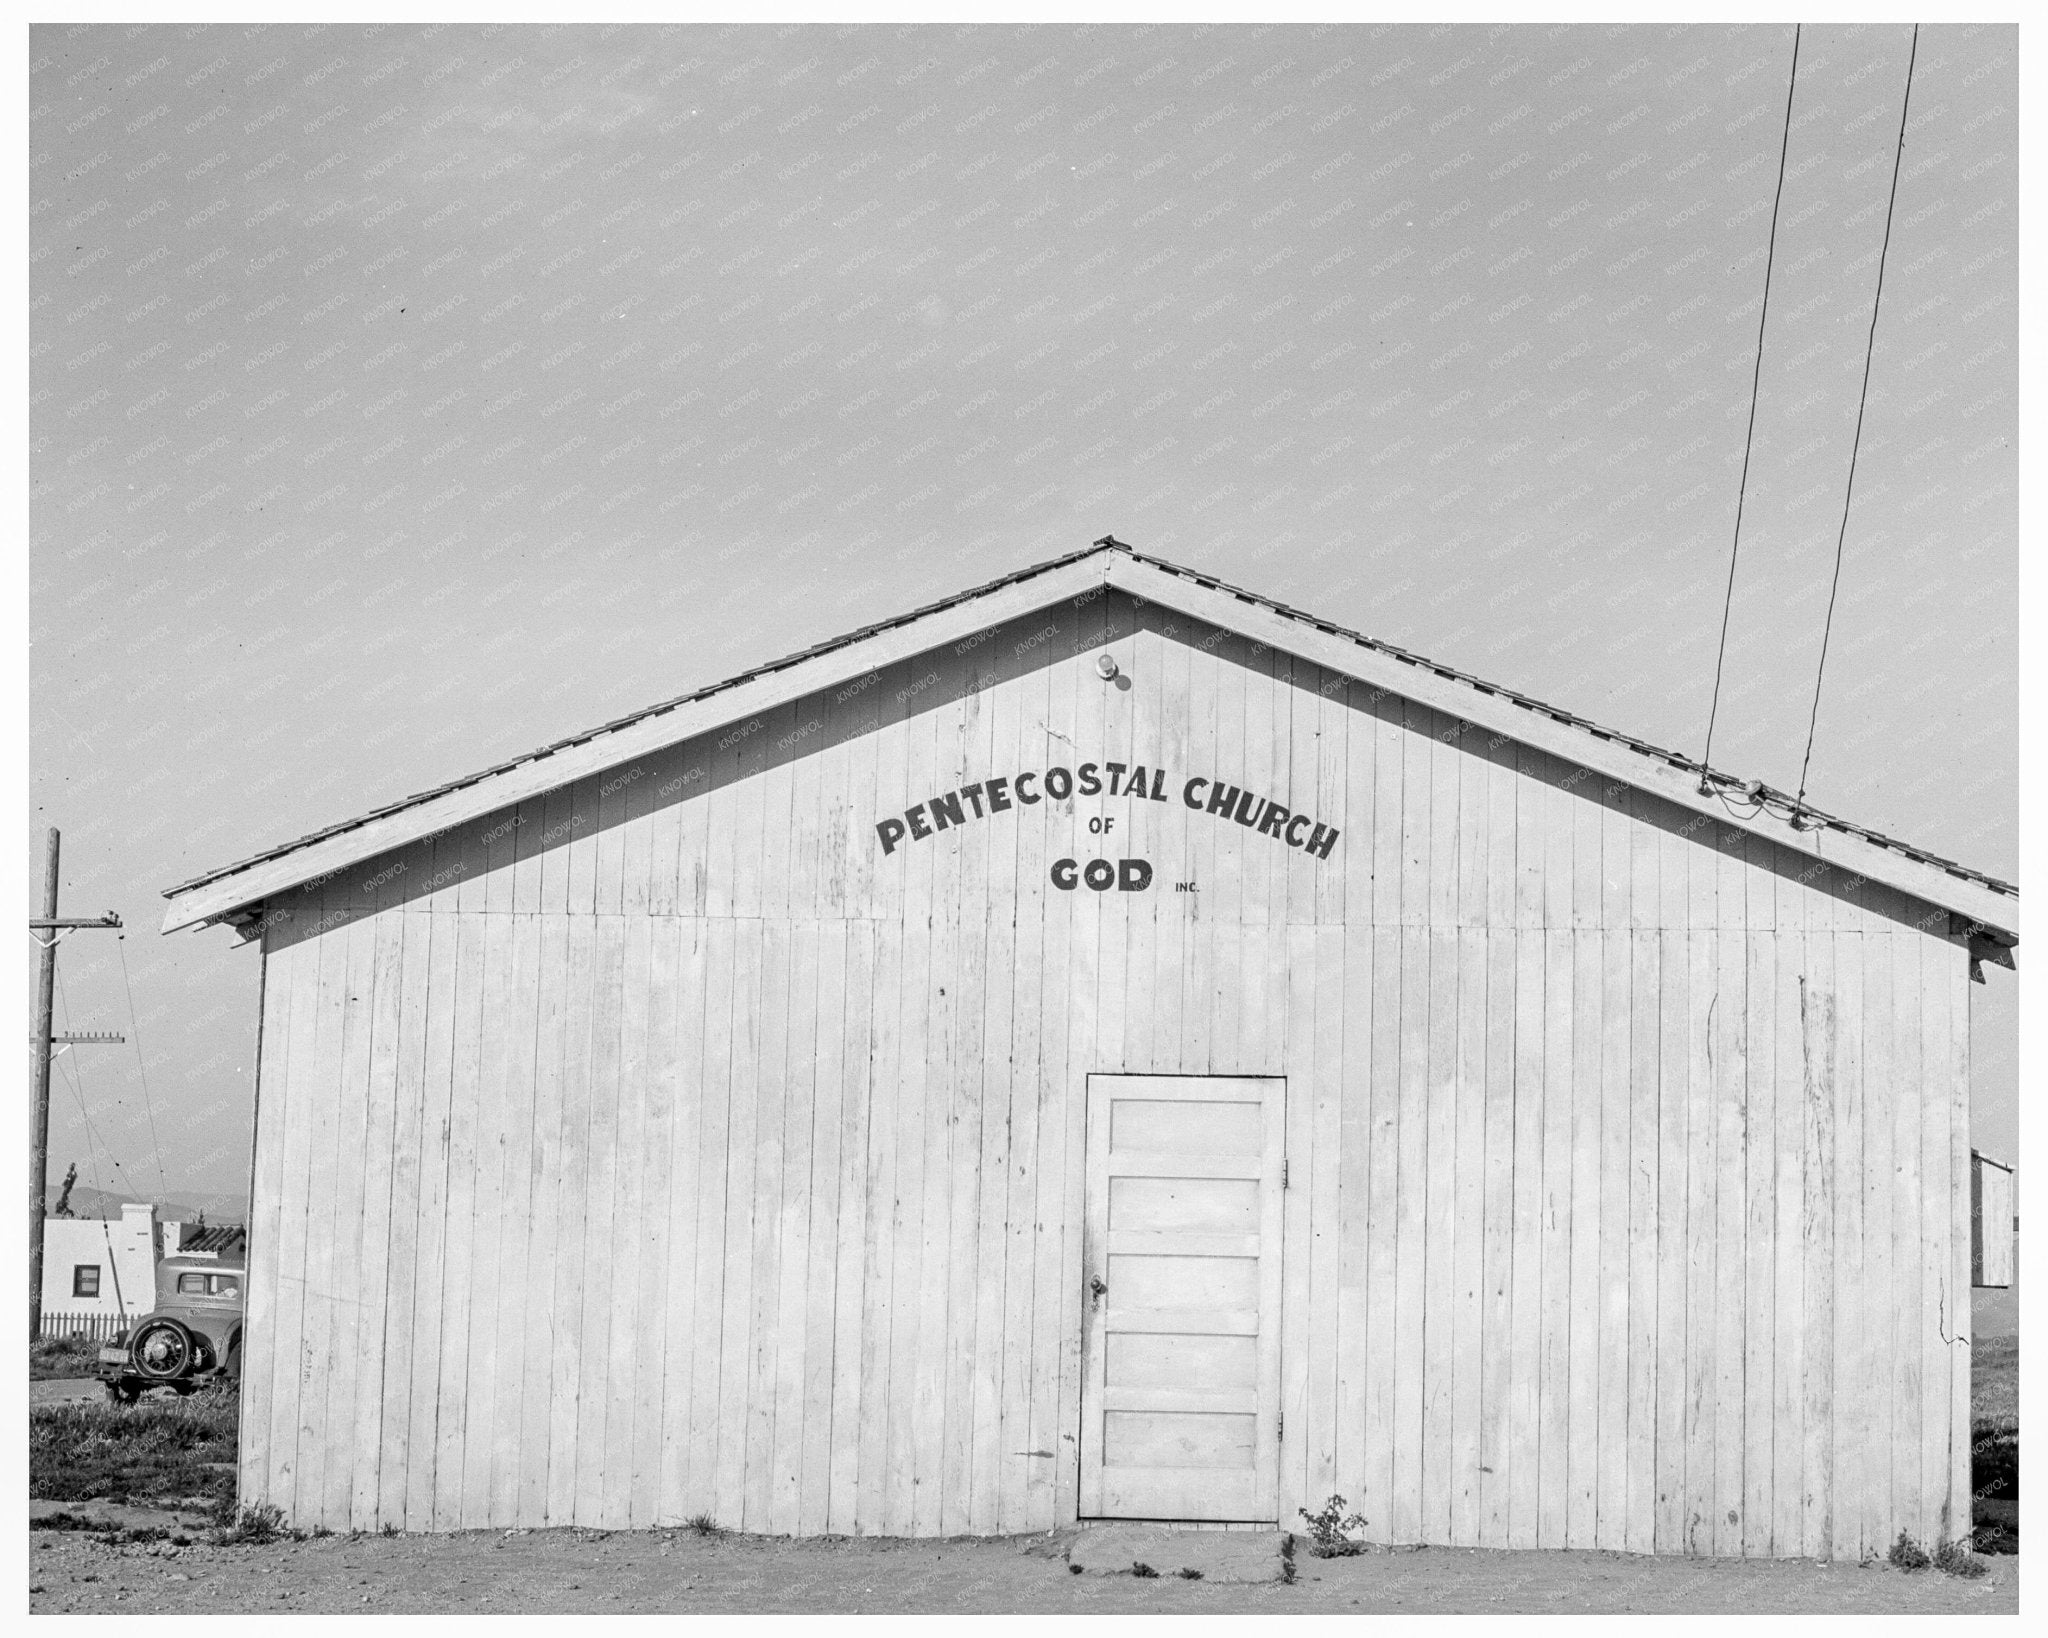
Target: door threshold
point(1184, 1524)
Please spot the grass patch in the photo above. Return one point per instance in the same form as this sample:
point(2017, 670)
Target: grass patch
point(1995, 1444)
point(53, 1358)
point(1995, 1380)
point(149, 1453)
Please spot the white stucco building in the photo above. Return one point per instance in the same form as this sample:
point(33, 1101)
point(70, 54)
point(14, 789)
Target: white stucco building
point(100, 1269)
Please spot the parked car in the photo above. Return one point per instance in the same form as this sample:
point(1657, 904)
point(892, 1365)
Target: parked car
point(191, 1337)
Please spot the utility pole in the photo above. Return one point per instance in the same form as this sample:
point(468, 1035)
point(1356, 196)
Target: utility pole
point(39, 1142)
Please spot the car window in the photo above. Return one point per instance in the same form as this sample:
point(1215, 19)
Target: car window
point(225, 1285)
point(193, 1283)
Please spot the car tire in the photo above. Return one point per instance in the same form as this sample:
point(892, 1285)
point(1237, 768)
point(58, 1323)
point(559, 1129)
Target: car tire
point(164, 1350)
point(232, 1370)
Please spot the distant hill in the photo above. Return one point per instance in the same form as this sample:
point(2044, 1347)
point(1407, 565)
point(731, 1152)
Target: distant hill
point(220, 1207)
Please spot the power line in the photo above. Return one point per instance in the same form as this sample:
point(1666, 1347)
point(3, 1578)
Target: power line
point(77, 1081)
point(93, 1145)
point(93, 1141)
point(1755, 386)
point(141, 1067)
point(1856, 443)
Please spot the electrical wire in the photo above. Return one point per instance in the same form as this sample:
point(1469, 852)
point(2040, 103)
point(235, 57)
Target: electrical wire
point(77, 1082)
point(141, 1068)
point(1755, 386)
point(93, 1145)
point(1862, 399)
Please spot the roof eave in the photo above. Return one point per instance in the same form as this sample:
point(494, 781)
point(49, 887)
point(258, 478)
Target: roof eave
point(1644, 768)
point(215, 897)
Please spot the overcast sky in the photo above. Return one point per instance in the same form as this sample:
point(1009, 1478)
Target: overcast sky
point(406, 398)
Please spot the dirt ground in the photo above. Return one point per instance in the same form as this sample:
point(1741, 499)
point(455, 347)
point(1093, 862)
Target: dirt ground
point(581, 1571)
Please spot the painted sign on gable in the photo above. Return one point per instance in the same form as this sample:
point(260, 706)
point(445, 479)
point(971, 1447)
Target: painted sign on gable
point(1259, 814)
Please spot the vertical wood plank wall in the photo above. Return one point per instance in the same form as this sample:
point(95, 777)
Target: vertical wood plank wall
point(660, 1147)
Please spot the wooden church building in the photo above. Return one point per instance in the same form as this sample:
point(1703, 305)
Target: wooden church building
point(1109, 1046)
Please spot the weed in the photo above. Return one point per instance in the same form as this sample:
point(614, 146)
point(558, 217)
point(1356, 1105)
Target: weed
point(1955, 1558)
point(388, 1530)
point(260, 1523)
point(704, 1524)
point(1327, 1527)
point(1073, 1569)
point(1907, 1554)
point(1189, 1575)
point(1142, 1570)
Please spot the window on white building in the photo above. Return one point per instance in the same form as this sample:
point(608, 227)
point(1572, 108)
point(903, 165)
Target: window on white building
point(85, 1280)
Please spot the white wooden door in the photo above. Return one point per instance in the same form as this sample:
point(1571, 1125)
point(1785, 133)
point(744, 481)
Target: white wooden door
point(1180, 1324)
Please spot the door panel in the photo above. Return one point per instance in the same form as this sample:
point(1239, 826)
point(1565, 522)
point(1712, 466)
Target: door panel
point(1161, 1126)
point(1132, 1359)
point(1200, 1205)
point(1180, 1390)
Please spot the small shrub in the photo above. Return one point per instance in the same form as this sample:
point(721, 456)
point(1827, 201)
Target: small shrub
point(1189, 1575)
point(1143, 1571)
point(704, 1524)
point(1907, 1554)
point(1327, 1527)
point(1955, 1558)
point(1073, 1569)
point(257, 1524)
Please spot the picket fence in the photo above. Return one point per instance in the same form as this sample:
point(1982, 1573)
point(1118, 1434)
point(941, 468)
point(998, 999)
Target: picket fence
point(91, 1327)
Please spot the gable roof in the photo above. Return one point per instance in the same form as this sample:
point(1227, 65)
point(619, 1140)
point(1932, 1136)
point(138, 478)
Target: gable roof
point(1975, 897)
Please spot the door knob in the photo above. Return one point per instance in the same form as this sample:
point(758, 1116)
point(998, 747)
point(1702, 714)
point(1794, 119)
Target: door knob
point(1097, 1288)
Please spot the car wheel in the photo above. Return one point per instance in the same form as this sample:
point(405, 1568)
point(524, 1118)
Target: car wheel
point(233, 1368)
point(163, 1350)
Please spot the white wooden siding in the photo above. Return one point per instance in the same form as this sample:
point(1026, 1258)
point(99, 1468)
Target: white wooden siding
point(660, 1146)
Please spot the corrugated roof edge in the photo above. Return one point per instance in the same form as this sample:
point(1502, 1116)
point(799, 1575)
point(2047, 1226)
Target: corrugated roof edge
point(589, 734)
point(1676, 759)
